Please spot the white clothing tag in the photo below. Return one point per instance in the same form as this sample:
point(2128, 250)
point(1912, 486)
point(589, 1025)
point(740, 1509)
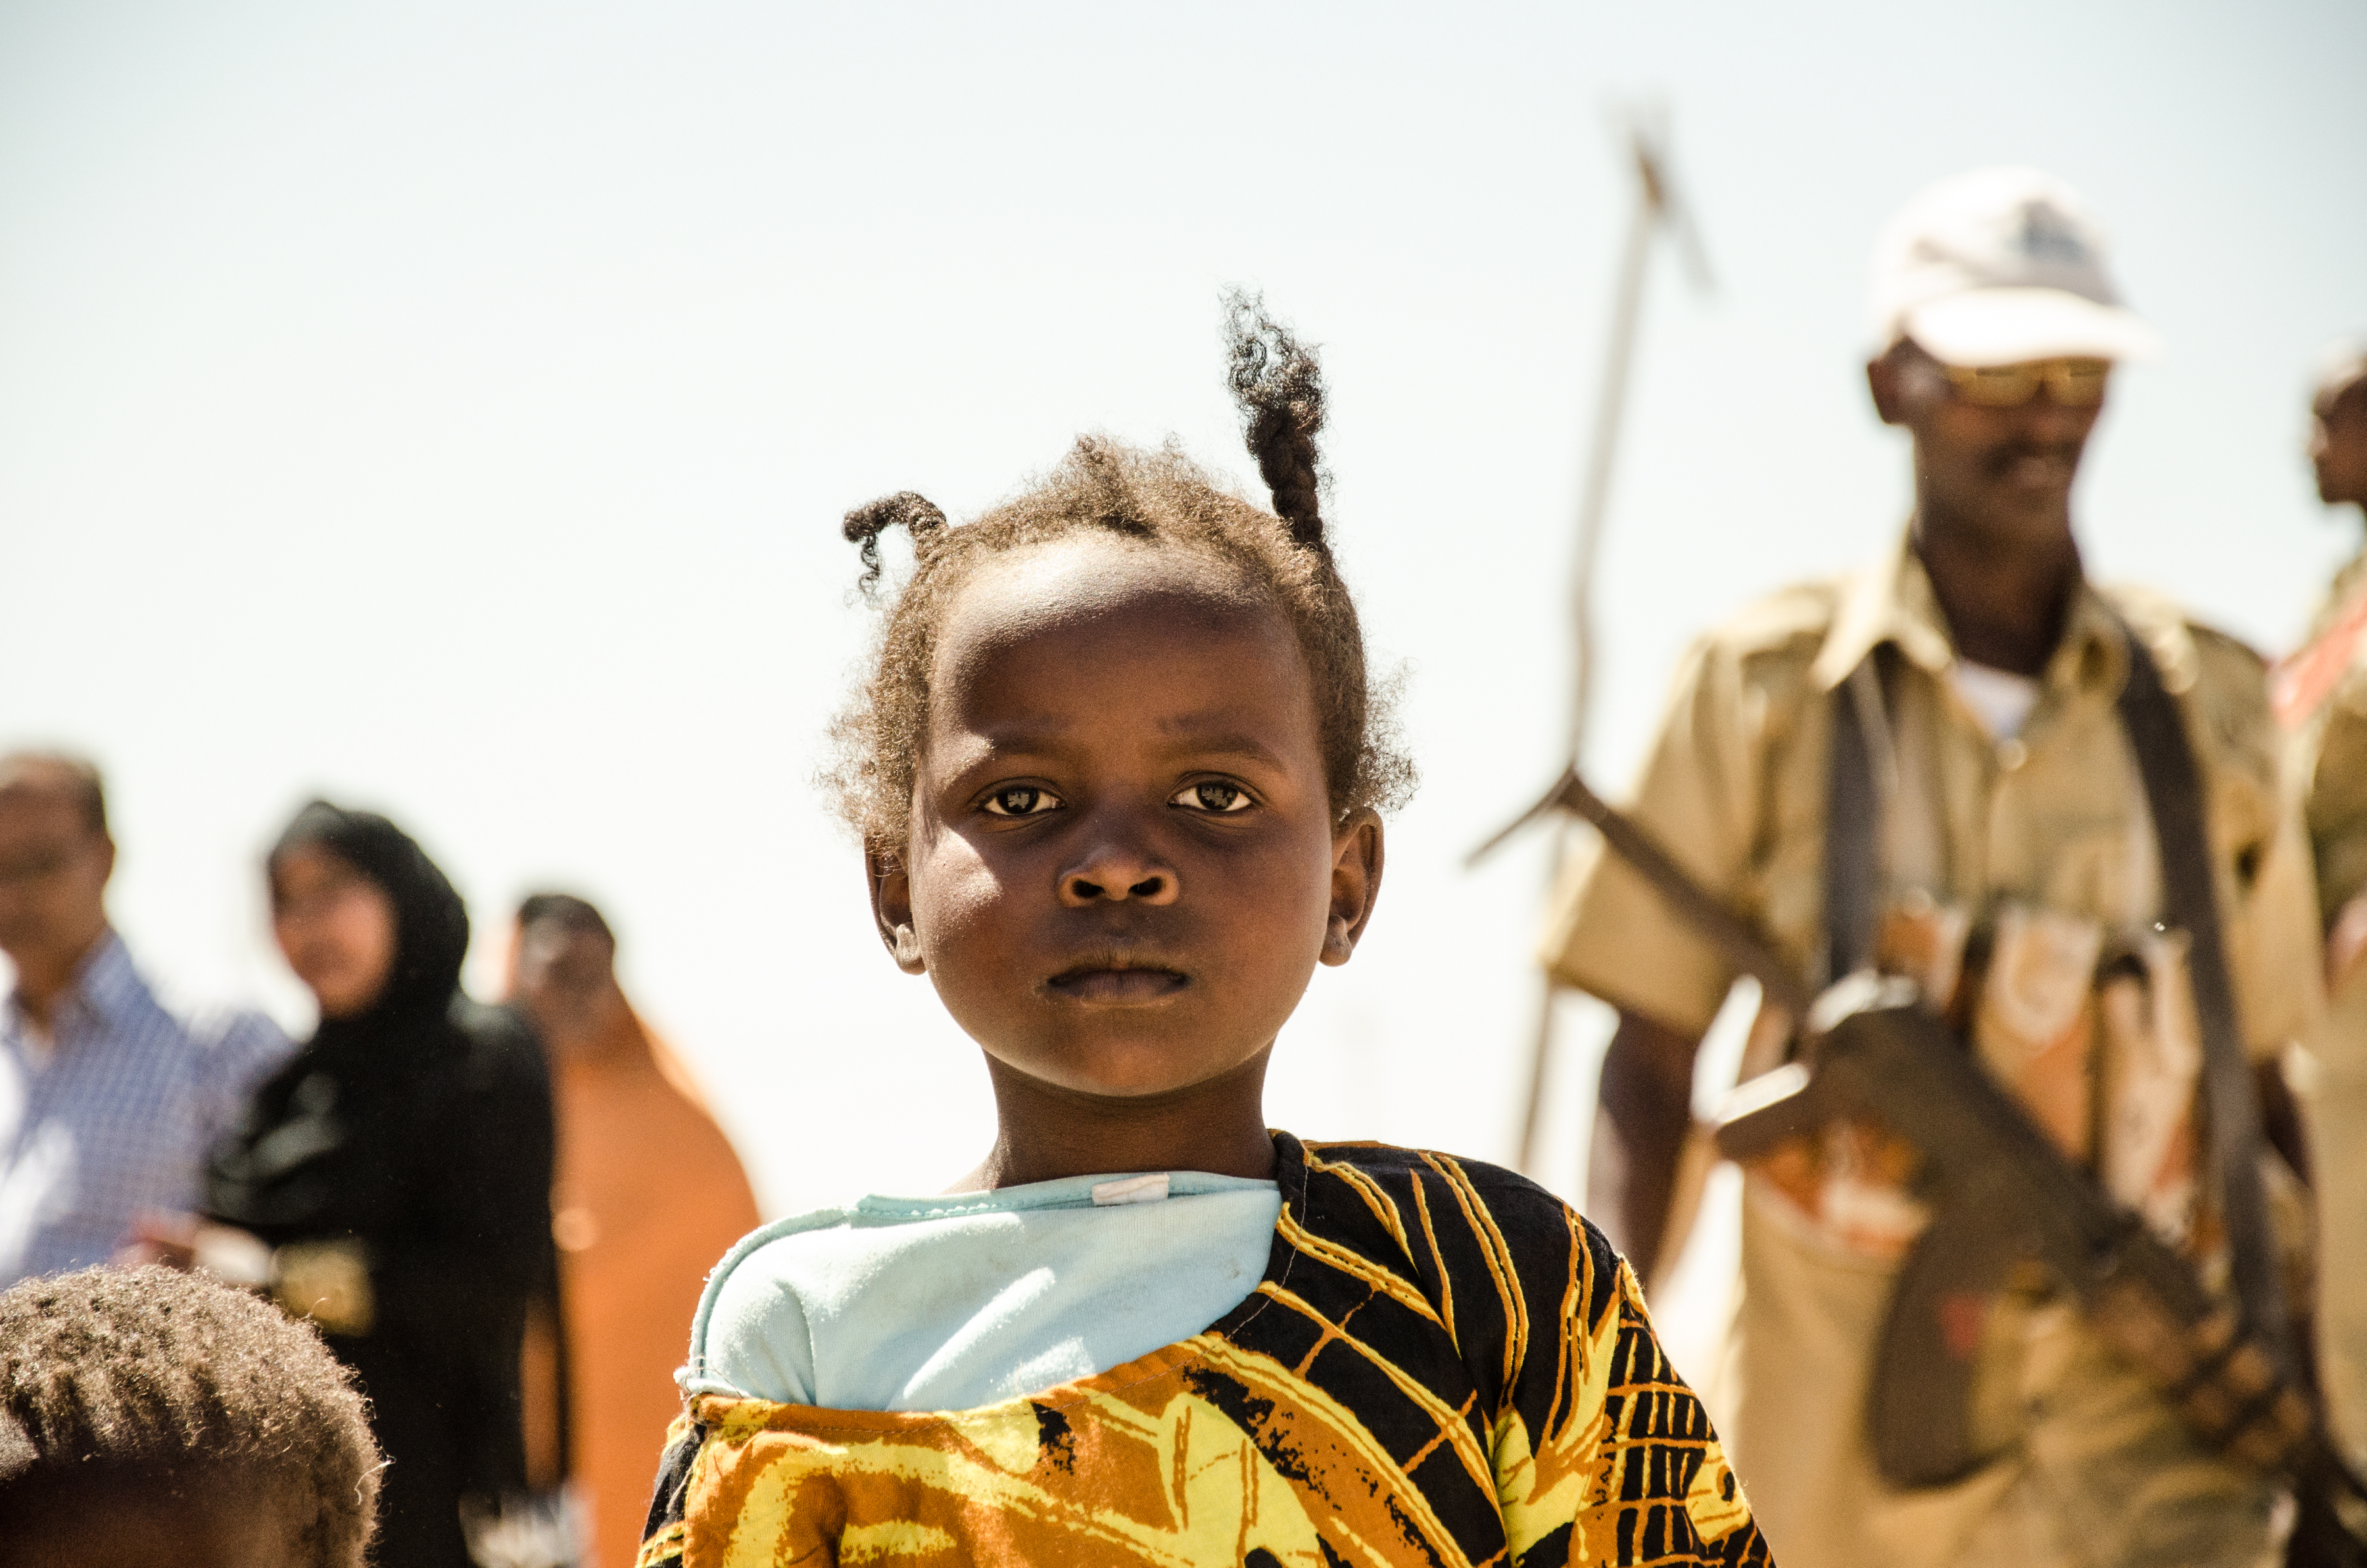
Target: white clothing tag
point(1133, 1189)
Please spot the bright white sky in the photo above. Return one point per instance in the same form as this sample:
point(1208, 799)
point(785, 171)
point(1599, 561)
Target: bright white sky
point(450, 407)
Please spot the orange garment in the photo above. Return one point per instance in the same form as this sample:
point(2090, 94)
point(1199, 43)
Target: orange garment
point(647, 1198)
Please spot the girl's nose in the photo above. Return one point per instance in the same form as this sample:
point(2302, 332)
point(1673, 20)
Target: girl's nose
point(1117, 873)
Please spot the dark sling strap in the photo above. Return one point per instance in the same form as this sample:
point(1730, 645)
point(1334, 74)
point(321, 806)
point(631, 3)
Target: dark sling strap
point(2173, 785)
point(2174, 792)
point(1852, 816)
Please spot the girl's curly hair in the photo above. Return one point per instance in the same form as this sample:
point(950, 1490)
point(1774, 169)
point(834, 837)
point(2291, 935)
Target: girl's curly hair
point(1160, 497)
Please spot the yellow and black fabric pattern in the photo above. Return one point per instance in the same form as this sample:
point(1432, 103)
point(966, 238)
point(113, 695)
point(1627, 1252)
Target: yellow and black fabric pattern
point(1444, 1365)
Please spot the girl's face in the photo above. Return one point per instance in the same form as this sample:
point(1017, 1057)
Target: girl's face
point(1123, 867)
point(336, 925)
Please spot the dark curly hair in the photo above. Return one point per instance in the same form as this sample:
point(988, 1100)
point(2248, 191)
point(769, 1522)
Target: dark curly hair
point(1159, 497)
point(148, 1377)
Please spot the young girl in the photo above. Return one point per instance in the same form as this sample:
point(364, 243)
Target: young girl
point(1118, 773)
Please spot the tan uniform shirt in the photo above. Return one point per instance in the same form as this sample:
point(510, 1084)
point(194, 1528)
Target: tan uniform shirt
point(2044, 837)
point(2329, 758)
point(2328, 766)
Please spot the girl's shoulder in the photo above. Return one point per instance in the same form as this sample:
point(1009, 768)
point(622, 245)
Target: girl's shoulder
point(1334, 1156)
point(737, 1294)
point(1486, 1247)
point(1387, 1178)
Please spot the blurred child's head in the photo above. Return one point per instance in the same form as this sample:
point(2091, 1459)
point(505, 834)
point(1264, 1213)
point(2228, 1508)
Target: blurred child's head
point(1119, 767)
point(168, 1419)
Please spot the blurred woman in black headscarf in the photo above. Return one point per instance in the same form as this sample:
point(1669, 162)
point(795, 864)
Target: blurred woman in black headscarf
point(399, 1169)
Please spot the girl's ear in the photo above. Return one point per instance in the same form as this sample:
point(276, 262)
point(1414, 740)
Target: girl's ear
point(1356, 857)
point(891, 907)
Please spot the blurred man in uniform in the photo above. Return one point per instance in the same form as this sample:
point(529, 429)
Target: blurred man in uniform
point(2010, 865)
point(648, 1196)
point(2321, 695)
point(107, 1102)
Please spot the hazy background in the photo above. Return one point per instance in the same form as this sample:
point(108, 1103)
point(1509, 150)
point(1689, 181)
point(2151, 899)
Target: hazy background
point(449, 408)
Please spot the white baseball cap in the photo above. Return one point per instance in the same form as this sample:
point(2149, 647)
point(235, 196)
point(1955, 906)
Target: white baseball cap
point(1998, 266)
point(2343, 363)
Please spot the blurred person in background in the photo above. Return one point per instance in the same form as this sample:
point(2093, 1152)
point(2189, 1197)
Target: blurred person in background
point(107, 1102)
point(391, 1183)
point(2005, 851)
point(648, 1196)
point(2321, 695)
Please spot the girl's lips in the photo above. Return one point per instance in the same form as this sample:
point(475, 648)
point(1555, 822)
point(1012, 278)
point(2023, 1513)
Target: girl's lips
point(1119, 987)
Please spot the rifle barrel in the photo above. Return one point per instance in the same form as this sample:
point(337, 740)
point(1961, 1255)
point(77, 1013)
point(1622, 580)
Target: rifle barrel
point(1736, 942)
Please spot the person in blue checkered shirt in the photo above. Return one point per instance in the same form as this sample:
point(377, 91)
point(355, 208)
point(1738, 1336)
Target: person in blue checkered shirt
point(107, 1102)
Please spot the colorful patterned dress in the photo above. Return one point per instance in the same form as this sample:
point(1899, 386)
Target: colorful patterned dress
point(1443, 1365)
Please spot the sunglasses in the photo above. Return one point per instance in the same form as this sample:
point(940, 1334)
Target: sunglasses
point(2073, 383)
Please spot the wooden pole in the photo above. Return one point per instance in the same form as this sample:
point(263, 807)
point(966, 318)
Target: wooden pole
point(1655, 207)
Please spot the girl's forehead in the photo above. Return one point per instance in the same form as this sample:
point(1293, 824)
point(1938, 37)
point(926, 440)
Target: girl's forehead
point(1082, 584)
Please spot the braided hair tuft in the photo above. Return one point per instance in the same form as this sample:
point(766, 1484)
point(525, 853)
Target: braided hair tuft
point(1279, 386)
point(863, 525)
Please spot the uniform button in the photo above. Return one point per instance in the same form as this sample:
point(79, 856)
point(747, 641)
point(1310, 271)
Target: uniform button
point(2013, 755)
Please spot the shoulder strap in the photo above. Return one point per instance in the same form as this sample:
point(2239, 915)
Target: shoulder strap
point(2173, 787)
point(1851, 815)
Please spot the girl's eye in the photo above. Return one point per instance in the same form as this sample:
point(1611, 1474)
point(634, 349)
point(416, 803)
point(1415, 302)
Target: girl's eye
point(1214, 795)
point(1020, 800)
